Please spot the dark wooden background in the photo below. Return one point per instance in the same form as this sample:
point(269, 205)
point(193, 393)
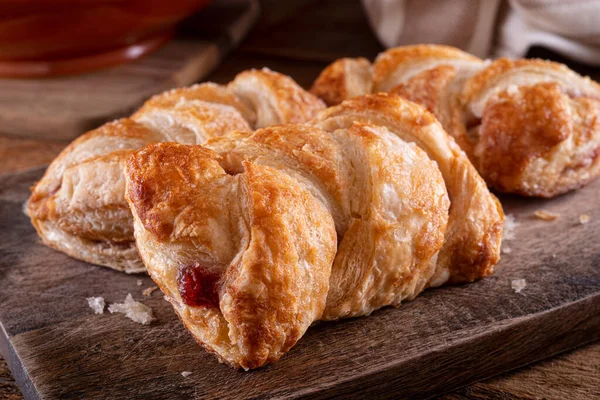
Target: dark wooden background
point(299, 38)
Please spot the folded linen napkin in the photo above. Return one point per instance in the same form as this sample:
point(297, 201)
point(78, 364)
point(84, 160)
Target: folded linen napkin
point(492, 28)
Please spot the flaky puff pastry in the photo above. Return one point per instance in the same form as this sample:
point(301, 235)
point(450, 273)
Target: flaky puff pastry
point(256, 222)
point(529, 126)
point(243, 252)
point(276, 98)
point(79, 208)
point(473, 237)
point(430, 75)
point(534, 126)
point(387, 198)
point(344, 79)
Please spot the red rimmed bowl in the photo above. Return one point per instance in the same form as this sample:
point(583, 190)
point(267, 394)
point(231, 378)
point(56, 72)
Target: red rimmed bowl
point(55, 37)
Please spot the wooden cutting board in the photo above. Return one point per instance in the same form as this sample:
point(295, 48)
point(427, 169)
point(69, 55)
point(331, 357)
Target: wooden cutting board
point(72, 105)
point(446, 338)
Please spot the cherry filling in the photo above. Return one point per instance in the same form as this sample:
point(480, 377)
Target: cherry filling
point(198, 286)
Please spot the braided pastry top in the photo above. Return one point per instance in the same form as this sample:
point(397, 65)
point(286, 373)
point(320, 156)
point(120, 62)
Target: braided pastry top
point(253, 235)
point(530, 126)
point(365, 206)
point(79, 208)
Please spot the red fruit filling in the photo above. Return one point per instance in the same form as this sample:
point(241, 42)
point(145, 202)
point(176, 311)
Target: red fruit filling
point(198, 286)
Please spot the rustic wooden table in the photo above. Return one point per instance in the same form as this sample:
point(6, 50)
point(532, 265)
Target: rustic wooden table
point(299, 38)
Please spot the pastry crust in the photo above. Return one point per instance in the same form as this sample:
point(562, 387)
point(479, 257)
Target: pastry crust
point(529, 126)
point(270, 242)
point(209, 92)
point(390, 229)
point(275, 98)
point(262, 210)
point(343, 79)
point(191, 121)
point(534, 126)
point(255, 235)
point(401, 64)
point(472, 241)
point(79, 207)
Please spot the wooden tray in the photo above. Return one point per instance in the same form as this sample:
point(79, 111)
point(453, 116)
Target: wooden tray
point(446, 338)
point(65, 107)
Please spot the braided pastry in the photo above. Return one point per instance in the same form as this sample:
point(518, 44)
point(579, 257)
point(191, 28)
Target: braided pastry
point(529, 126)
point(252, 237)
point(79, 208)
point(320, 214)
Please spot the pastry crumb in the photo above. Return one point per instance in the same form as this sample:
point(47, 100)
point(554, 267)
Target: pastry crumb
point(185, 374)
point(134, 310)
point(139, 282)
point(546, 215)
point(148, 291)
point(510, 224)
point(518, 285)
point(24, 207)
point(97, 304)
point(584, 219)
point(508, 233)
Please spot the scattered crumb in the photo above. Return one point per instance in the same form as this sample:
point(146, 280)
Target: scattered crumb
point(546, 215)
point(139, 282)
point(133, 310)
point(148, 291)
point(510, 224)
point(584, 219)
point(24, 208)
point(518, 285)
point(185, 374)
point(97, 304)
point(553, 255)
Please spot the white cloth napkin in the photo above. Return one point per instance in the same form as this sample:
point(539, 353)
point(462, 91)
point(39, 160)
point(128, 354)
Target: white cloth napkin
point(492, 28)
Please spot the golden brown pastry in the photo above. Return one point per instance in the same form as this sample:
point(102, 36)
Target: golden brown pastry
point(529, 126)
point(209, 92)
point(79, 208)
point(430, 75)
point(472, 240)
point(244, 255)
point(344, 79)
point(276, 98)
point(387, 198)
point(195, 114)
point(222, 221)
point(534, 126)
point(253, 236)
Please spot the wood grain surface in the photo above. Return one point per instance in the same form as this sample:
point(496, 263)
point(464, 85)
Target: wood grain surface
point(574, 375)
point(299, 37)
point(446, 338)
